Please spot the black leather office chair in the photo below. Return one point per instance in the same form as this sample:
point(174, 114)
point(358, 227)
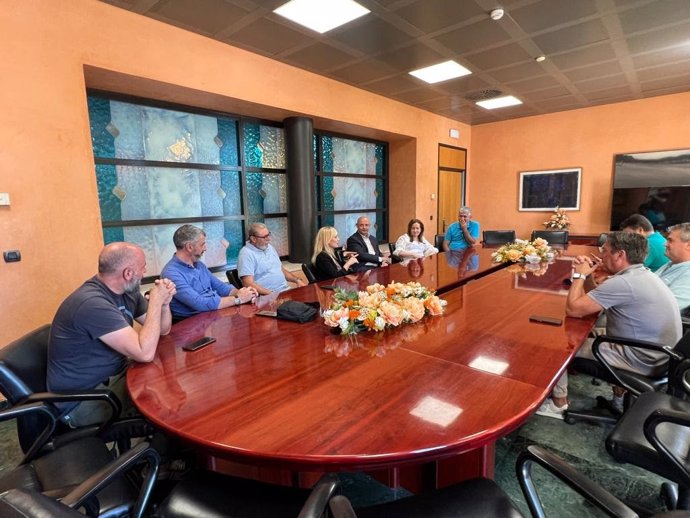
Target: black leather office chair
point(636, 384)
point(554, 237)
point(498, 237)
point(30, 503)
point(309, 272)
point(654, 434)
point(438, 241)
point(56, 473)
point(212, 495)
point(481, 497)
point(23, 369)
point(234, 278)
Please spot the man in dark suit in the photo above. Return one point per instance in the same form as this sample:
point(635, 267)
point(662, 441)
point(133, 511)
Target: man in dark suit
point(367, 247)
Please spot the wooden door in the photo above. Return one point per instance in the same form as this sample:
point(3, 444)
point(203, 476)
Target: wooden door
point(451, 185)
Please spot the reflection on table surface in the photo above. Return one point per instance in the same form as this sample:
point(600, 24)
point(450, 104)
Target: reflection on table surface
point(278, 393)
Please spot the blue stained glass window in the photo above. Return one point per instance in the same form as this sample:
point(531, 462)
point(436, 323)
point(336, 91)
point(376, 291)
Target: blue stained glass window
point(110, 203)
point(327, 153)
point(227, 135)
point(351, 182)
point(99, 114)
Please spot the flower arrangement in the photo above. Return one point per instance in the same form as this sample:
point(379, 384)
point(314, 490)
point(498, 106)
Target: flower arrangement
point(524, 251)
point(559, 220)
point(381, 307)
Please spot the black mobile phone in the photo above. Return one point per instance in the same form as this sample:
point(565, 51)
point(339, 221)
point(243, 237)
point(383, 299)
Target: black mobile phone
point(546, 320)
point(201, 342)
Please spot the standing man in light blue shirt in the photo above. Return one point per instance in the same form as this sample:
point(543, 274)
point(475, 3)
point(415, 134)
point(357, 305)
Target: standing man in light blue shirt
point(198, 289)
point(676, 273)
point(259, 266)
point(463, 233)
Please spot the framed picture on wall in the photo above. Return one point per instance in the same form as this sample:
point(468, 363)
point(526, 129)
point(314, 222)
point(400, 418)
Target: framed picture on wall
point(546, 190)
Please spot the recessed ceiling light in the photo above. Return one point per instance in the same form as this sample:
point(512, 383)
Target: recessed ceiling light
point(441, 72)
point(539, 59)
point(499, 102)
point(321, 16)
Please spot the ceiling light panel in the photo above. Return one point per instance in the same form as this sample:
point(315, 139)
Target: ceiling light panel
point(441, 72)
point(499, 102)
point(321, 16)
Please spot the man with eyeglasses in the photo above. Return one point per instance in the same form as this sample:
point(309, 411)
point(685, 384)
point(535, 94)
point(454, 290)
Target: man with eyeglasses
point(198, 290)
point(676, 273)
point(259, 266)
point(463, 233)
point(637, 305)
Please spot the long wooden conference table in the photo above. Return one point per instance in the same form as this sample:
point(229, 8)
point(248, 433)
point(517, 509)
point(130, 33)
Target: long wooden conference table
point(418, 406)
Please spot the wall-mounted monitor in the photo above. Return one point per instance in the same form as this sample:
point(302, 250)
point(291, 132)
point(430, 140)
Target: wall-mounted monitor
point(656, 185)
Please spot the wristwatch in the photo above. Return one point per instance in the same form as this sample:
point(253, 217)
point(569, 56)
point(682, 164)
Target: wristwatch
point(238, 301)
point(578, 275)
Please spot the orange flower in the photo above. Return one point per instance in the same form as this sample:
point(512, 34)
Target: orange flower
point(433, 304)
point(353, 314)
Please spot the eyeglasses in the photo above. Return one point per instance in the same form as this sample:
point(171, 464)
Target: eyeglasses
point(263, 237)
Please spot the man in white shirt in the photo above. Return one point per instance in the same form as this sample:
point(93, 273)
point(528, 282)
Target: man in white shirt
point(366, 247)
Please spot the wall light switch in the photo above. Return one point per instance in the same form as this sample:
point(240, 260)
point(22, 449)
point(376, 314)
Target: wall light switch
point(454, 133)
point(12, 256)
point(4, 198)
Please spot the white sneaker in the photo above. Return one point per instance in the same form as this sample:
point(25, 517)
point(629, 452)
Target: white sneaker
point(549, 409)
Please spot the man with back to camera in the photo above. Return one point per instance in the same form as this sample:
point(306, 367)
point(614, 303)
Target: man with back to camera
point(366, 247)
point(676, 273)
point(92, 335)
point(259, 266)
point(198, 290)
point(656, 256)
point(637, 305)
point(463, 233)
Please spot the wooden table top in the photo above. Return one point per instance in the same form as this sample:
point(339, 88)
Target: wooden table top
point(277, 393)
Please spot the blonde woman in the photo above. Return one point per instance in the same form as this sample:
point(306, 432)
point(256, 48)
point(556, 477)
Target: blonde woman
point(325, 262)
point(414, 245)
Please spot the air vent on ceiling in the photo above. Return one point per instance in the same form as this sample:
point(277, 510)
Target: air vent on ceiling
point(483, 95)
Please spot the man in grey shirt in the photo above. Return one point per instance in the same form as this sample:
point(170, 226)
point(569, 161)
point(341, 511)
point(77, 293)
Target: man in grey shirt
point(637, 305)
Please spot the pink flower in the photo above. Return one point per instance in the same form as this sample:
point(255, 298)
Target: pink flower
point(415, 308)
point(391, 313)
point(433, 304)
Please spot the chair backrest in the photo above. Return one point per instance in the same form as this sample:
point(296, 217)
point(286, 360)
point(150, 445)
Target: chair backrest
point(23, 370)
point(498, 237)
point(438, 241)
point(554, 237)
point(24, 364)
point(234, 278)
point(309, 272)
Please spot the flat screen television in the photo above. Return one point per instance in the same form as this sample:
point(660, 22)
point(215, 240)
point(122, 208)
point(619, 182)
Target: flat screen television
point(656, 185)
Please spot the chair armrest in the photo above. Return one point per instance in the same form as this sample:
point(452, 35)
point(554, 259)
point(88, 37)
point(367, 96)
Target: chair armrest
point(85, 395)
point(33, 408)
point(629, 342)
point(656, 418)
point(591, 491)
point(128, 460)
point(341, 507)
point(320, 495)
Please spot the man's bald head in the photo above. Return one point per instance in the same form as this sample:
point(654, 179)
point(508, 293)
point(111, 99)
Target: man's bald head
point(115, 257)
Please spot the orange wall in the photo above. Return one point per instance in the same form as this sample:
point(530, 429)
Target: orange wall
point(586, 138)
point(53, 50)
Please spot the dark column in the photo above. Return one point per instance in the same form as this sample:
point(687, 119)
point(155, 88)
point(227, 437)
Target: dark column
point(299, 135)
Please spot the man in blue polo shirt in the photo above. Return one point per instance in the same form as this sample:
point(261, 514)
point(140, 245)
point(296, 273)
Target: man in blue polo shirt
point(463, 233)
point(198, 290)
point(259, 266)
